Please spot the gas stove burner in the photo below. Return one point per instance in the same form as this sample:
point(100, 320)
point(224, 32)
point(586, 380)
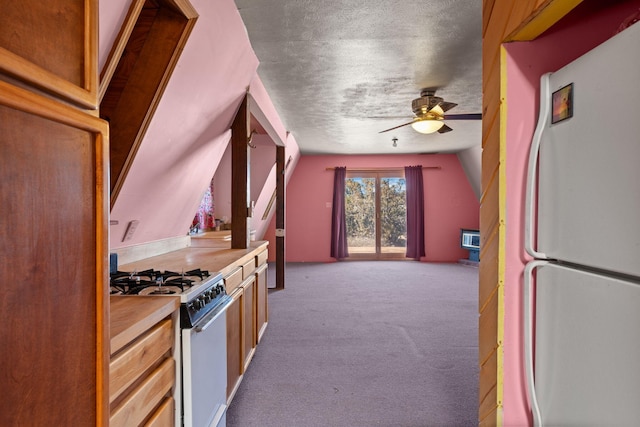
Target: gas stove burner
point(163, 283)
point(201, 274)
point(162, 291)
point(180, 282)
point(126, 285)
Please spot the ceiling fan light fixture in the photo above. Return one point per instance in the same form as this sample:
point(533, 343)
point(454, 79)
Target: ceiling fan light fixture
point(438, 110)
point(427, 126)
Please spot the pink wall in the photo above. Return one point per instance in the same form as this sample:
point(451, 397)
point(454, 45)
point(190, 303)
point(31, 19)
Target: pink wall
point(586, 27)
point(262, 227)
point(190, 131)
point(450, 204)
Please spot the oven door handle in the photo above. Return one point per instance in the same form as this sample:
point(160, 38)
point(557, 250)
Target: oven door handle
point(207, 320)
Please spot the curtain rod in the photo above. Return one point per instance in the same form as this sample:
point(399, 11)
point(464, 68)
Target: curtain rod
point(382, 169)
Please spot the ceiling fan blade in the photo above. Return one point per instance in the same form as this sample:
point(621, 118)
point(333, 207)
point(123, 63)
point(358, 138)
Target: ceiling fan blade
point(396, 127)
point(446, 106)
point(444, 129)
point(472, 116)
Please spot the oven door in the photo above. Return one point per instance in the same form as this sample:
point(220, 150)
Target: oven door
point(204, 370)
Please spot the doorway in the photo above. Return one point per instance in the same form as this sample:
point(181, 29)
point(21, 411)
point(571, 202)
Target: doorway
point(376, 212)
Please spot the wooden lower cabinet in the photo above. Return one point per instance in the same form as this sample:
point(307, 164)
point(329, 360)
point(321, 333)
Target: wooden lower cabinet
point(262, 307)
point(246, 317)
point(141, 378)
point(235, 367)
point(241, 334)
point(249, 320)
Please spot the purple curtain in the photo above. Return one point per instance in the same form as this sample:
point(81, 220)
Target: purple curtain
point(338, 218)
point(415, 212)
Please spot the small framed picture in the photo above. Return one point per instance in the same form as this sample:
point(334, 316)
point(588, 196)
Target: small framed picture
point(562, 103)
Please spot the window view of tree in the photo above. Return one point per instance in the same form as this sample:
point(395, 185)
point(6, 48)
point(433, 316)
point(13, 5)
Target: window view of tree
point(375, 207)
point(393, 212)
point(360, 209)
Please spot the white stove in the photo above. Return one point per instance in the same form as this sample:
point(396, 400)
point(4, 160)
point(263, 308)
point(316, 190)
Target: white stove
point(204, 301)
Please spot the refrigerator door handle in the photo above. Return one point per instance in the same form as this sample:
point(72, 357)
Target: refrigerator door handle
point(532, 170)
point(528, 322)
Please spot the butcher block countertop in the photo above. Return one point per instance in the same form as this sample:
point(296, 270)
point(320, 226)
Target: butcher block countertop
point(207, 253)
point(131, 315)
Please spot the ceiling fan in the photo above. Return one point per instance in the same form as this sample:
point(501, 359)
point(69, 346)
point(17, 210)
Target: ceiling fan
point(430, 114)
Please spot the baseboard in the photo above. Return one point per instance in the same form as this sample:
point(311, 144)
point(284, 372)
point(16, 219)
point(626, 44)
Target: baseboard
point(135, 253)
point(469, 262)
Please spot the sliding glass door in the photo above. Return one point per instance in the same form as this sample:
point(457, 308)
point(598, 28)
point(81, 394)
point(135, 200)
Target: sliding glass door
point(375, 207)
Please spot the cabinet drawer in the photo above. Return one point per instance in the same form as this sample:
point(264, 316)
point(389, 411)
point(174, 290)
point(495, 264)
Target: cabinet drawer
point(248, 268)
point(137, 406)
point(128, 365)
point(261, 258)
point(164, 415)
point(233, 280)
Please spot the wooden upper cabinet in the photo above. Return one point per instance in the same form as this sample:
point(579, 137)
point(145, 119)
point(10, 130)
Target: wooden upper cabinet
point(54, 293)
point(137, 71)
point(35, 50)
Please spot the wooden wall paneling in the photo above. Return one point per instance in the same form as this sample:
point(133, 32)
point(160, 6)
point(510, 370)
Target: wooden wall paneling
point(488, 375)
point(543, 14)
point(489, 214)
point(488, 327)
point(490, 157)
point(494, 35)
point(488, 271)
point(520, 13)
point(491, 106)
point(490, 412)
point(488, 390)
point(54, 234)
point(34, 50)
point(490, 228)
point(487, 10)
point(134, 78)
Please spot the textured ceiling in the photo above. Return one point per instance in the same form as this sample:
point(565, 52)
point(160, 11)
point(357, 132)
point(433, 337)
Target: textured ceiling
point(340, 71)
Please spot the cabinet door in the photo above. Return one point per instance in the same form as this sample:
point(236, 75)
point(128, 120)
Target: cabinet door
point(249, 320)
point(53, 228)
point(52, 46)
point(262, 310)
point(235, 365)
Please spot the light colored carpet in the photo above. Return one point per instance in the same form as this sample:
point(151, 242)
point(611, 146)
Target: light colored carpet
point(379, 343)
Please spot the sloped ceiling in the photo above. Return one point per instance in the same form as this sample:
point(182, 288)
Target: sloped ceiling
point(190, 129)
point(340, 71)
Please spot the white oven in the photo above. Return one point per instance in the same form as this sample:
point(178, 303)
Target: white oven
point(204, 370)
point(203, 337)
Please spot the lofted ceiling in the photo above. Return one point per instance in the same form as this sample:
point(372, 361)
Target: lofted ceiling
point(340, 71)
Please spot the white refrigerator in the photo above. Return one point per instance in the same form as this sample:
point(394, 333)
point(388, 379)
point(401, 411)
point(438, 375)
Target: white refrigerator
point(582, 219)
